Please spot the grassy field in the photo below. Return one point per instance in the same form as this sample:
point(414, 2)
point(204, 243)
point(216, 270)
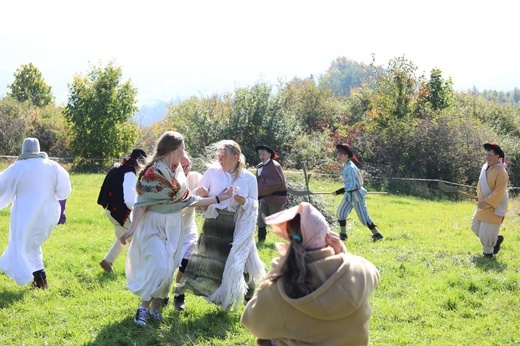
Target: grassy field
point(436, 289)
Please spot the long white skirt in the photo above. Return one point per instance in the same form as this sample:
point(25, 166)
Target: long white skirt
point(154, 254)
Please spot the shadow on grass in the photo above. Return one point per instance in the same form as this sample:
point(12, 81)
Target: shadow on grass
point(126, 332)
point(9, 297)
point(174, 330)
point(488, 264)
point(196, 328)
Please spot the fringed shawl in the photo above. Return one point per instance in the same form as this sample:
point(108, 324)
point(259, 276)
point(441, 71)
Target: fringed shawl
point(243, 257)
point(161, 192)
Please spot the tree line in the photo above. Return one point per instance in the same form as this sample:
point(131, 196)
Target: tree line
point(399, 123)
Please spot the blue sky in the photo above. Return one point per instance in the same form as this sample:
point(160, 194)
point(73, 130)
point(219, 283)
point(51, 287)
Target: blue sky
point(171, 49)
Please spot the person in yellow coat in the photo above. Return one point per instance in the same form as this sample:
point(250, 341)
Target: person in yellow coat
point(492, 200)
point(316, 293)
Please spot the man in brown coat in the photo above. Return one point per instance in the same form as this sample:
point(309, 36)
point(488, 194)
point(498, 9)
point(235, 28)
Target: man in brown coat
point(272, 191)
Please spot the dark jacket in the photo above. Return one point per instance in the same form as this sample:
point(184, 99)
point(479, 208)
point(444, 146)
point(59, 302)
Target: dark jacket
point(111, 193)
point(271, 183)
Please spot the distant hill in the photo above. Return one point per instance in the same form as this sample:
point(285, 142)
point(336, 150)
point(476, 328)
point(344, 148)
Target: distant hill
point(150, 112)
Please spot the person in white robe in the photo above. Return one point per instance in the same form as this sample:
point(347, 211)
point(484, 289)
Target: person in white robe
point(33, 184)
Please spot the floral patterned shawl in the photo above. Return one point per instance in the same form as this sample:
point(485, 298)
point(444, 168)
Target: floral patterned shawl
point(162, 192)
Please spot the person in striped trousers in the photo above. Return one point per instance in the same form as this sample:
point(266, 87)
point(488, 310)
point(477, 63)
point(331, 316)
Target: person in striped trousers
point(353, 194)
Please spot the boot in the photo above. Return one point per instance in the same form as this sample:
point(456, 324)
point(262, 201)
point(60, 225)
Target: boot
point(375, 233)
point(262, 232)
point(40, 279)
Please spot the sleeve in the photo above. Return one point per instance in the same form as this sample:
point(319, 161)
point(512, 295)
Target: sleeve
point(7, 188)
point(499, 189)
point(206, 179)
point(129, 193)
point(63, 187)
point(262, 315)
point(350, 179)
point(270, 181)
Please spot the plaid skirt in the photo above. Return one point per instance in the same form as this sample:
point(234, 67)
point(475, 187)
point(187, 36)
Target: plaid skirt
point(203, 275)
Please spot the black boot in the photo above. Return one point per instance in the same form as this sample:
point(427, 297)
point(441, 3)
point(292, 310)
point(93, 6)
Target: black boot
point(376, 236)
point(40, 279)
point(178, 302)
point(262, 232)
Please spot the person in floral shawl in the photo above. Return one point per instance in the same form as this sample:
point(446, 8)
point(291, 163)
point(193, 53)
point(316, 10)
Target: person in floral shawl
point(155, 248)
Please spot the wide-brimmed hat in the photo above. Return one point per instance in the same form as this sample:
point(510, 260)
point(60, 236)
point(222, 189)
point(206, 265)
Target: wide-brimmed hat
point(136, 155)
point(494, 146)
point(31, 146)
point(274, 156)
point(346, 148)
point(314, 227)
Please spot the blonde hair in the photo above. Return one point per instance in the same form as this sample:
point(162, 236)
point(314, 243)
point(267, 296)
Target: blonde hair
point(232, 148)
point(168, 142)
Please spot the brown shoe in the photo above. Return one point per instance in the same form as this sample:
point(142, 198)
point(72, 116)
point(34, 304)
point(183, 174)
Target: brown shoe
point(40, 283)
point(106, 266)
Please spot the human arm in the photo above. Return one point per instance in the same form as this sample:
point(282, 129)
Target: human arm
point(334, 241)
point(222, 196)
point(497, 180)
point(138, 213)
point(262, 315)
point(129, 194)
point(63, 186)
point(271, 180)
point(338, 192)
point(249, 192)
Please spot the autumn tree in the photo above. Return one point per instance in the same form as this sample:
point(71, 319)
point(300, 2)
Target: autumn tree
point(29, 85)
point(342, 76)
point(100, 113)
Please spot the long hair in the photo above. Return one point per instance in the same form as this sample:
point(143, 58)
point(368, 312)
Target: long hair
point(230, 147)
point(294, 269)
point(168, 142)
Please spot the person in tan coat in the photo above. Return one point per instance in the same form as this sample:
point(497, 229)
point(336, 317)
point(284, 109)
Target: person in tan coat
point(492, 200)
point(316, 292)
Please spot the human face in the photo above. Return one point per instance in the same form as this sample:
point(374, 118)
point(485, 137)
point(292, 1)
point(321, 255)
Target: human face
point(177, 154)
point(263, 155)
point(186, 165)
point(227, 161)
point(342, 157)
point(492, 158)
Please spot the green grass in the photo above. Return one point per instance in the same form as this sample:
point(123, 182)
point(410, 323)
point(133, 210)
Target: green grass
point(435, 288)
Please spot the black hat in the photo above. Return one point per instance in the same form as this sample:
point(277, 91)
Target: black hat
point(274, 156)
point(344, 147)
point(138, 154)
point(494, 146)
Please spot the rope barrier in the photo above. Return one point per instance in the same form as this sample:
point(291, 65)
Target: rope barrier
point(291, 172)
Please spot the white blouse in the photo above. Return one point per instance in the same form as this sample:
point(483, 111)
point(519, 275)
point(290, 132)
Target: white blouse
point(216, 180)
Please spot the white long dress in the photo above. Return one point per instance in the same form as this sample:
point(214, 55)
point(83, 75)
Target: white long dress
point(33, 186)
point(155, 250)
point(189, 227)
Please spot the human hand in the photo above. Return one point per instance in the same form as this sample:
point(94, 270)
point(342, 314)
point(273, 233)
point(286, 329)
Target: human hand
point(125, 236)
point(482, 204)
point(240, 199)
point(333, 240)
point(226, 193)
point(201, 191)
point(333, 193)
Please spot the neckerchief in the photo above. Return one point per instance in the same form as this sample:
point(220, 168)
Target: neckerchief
point(163, 191)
